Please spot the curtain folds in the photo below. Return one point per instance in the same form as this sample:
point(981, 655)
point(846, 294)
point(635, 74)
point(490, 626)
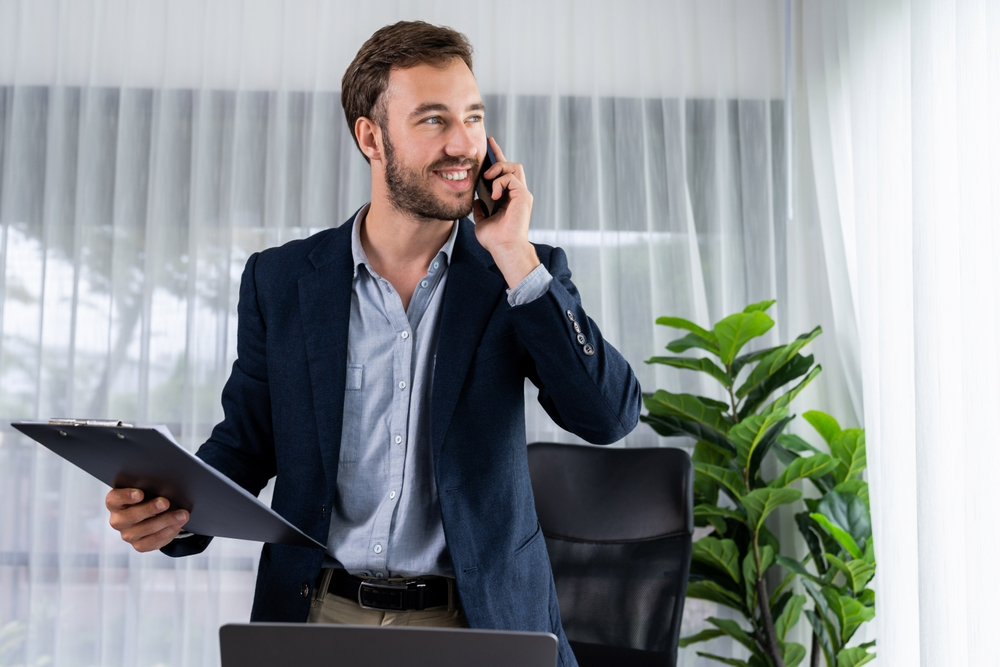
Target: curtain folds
point(903, 98)
point(147, 148)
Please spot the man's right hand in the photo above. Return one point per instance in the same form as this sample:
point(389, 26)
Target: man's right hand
point(147, 526)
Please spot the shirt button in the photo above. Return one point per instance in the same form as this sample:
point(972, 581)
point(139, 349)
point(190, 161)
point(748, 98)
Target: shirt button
point(424, 283)
point(379, 575)
point(402, 384)
point(399, 439)
point(392, 494)
point(435, 265)
point(377, 549)
point(405, 334)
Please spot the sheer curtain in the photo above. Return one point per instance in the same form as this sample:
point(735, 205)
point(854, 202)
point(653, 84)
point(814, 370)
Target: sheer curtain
point(903, 99)
point(147, 148)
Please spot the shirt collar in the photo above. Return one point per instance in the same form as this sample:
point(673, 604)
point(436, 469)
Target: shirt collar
point(358, 251)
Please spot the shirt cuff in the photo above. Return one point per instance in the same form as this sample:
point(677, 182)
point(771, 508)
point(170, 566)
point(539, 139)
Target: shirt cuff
point(534, 285)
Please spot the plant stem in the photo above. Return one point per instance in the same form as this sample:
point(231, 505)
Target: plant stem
point(814, 652)
point(765, 612)
point(732, 397)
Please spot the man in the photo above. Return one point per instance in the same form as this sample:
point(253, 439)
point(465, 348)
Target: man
point(380, 375)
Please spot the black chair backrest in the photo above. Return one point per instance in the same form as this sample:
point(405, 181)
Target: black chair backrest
point(618, 525)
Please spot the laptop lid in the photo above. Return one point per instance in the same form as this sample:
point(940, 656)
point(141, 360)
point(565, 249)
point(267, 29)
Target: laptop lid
point(318, 645)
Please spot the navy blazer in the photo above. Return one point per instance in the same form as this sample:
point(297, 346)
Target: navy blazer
point(284, 400)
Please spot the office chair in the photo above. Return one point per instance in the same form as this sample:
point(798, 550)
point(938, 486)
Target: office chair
point(617, 524)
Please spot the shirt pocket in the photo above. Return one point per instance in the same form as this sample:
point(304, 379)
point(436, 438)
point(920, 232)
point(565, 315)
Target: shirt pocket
point(353, 413)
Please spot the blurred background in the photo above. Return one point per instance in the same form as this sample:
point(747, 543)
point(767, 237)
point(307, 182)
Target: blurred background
point(148, 147)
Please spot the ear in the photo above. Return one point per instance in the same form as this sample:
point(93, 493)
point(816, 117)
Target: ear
point(369, 136)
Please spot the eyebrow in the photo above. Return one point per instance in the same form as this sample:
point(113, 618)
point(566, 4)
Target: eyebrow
point(437, 106)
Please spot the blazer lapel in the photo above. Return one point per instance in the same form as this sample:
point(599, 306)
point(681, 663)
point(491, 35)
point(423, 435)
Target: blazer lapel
point(325, 304)
point(471, 294)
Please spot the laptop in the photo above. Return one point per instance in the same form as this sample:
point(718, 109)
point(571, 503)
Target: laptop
point(318, 645)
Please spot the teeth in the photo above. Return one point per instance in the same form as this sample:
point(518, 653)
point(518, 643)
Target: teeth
point(454, 175)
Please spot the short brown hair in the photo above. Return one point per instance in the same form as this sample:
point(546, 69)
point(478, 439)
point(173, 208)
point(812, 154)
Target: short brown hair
point(397, 46)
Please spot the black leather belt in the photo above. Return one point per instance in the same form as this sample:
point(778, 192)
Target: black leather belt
point(408, 595)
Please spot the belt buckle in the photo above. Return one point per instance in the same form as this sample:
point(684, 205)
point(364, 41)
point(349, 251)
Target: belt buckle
point(388, 595)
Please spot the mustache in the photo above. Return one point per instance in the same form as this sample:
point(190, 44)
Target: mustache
point(456, 163)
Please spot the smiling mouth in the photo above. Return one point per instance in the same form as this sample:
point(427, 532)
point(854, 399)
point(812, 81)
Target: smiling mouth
point(453, 175)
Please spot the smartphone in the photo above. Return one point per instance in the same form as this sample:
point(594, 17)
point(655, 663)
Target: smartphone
point(484, 188)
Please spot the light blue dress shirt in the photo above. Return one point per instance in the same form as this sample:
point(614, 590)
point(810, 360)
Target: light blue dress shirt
point(386, 520)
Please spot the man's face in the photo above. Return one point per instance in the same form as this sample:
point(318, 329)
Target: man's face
point(433, 140)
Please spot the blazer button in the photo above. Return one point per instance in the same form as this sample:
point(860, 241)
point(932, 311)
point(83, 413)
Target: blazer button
point(304, 591)
point(571, 316)
point(576, 327)
point(581, 339)
point(588, 349)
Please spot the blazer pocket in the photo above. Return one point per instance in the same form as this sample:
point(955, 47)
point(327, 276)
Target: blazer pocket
point(494, 347)
point(535, 536)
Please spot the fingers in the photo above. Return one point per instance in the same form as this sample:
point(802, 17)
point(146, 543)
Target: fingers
point(155, 532)
point(120, 498)
point(502, 166)
point(478, 210)
point(157, 540)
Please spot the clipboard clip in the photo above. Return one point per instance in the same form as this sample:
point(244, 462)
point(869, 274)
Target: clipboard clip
point(63, 421)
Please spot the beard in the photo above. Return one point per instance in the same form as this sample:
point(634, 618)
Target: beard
point(409, 193)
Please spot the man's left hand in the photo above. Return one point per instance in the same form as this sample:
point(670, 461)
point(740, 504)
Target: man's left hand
point(505, 233)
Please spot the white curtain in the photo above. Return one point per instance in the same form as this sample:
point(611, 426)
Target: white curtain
point(903, 98)
point(148, 147)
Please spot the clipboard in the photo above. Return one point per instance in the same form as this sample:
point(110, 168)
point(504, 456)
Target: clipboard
point(148, 458)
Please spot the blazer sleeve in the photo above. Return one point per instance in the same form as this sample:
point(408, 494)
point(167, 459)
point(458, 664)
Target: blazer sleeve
point(242, 444)
point(586, 387)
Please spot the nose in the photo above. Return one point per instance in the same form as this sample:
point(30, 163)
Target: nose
point(465, 141)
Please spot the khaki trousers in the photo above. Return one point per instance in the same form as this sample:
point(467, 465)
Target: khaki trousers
point(329, 608)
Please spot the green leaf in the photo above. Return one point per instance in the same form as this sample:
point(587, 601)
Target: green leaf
point(789, 616)
point(733, 662)
point(747, 435)
point(798, 568)
point(702, 636)
point(688, 325)
point(750, 579)
point(776, 361)
point(759, 306)
point(796, 444)
point(850, 514)
point(737, 330)
point(705, 489)
point(692, 341)
point(808, 467)
point(798, 367)
point(824, 424)
point(764, 446)
point(849, 611)
point(822, 632)
point(843, 537)
point(775, 608)
point(813, 536)
point(713, 592)
point(854, 657)
point(849, 447)
point(686, 406)
point(783, 400)
point(726, 477)
point(867, 597)
point(793, 653)
point(748, 358)
point(670, 426)
point(733, 629)
point(724, 512)
point(700, 364)
point(759, 503)
point(858, 572)
point(857, 487)
point(723, 555)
